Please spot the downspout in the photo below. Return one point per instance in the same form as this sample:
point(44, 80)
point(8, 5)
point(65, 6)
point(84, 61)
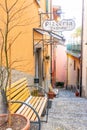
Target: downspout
point(67, 73)
point(51, 43)
point(33, 41)
point(81, 62)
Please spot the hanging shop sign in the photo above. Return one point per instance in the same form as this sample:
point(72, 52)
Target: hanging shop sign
point(63, 25)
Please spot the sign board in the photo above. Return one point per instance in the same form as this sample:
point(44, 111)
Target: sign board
point(63, 25)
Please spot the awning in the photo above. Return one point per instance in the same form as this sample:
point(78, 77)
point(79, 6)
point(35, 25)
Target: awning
point(50, 33)
point(38, 42)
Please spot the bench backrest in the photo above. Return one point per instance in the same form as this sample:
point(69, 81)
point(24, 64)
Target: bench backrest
point(18, 91)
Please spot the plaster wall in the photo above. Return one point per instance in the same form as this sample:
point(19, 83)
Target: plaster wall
point(61, 63)
point(84, 52)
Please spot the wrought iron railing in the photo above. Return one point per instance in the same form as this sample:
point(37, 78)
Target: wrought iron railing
point(74, 47)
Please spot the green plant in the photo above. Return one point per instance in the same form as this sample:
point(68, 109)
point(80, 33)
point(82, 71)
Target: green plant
point(34, 92)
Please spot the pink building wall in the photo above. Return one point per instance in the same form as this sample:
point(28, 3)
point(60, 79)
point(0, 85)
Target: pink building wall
point(61, 63)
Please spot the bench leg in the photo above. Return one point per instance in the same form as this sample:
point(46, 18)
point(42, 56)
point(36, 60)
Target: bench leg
point(46, 112)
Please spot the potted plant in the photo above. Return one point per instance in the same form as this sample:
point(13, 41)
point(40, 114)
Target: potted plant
point(51, 94)
point(9, 14)
point(77, 93)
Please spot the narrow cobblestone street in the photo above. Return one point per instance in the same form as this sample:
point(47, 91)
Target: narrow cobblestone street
point(67, 112)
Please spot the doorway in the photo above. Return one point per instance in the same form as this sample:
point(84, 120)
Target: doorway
point(38, 65)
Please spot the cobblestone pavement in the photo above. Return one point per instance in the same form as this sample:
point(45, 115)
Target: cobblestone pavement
point(67, 113)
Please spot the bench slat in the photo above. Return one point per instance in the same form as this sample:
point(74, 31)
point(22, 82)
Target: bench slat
point(18, 91)
point(22, 107)
point(34, 106)
point(18, 82)
point(14, 88)
point(15, 106)
point(26, 109)
point(40, 108)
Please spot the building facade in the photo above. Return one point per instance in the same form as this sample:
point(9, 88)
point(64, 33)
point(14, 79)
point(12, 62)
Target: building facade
point(17, 28)
point(73, 66)
point(27, 43)
point(84, 50)
point(61, 64)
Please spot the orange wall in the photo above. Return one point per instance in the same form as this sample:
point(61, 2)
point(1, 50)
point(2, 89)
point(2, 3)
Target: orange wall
point(22, 49)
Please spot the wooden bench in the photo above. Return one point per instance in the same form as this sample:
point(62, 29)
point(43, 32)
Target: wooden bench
point(23, 103)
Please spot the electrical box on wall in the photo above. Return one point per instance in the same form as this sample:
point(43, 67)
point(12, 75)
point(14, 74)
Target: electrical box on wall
point(36, 80)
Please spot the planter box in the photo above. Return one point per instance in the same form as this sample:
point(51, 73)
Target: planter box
point(18, 122)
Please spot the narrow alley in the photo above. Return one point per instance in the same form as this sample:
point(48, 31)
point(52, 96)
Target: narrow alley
point(67, 112)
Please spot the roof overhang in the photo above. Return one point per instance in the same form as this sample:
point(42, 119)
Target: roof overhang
point(38, 41)
point(50, 33)
point(75, 54)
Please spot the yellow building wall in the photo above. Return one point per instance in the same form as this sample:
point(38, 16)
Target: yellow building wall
point(43, 5)
point(21, 33)
point(71, 73)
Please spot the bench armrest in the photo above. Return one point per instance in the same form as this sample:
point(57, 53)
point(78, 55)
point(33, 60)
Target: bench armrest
point(39, 122)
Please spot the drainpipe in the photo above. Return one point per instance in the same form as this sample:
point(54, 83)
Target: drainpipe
point(67, 72)
point(81, 63)
point(51, 43)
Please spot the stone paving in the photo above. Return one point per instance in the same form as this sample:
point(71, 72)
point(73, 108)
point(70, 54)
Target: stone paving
point(67, 112)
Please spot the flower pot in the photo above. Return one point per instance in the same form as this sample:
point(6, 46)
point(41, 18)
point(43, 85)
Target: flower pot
point(51, 95)
point(18, 122)
point(77, 93)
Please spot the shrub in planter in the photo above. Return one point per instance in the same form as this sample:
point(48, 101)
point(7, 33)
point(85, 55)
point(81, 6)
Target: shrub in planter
point(34, 92)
